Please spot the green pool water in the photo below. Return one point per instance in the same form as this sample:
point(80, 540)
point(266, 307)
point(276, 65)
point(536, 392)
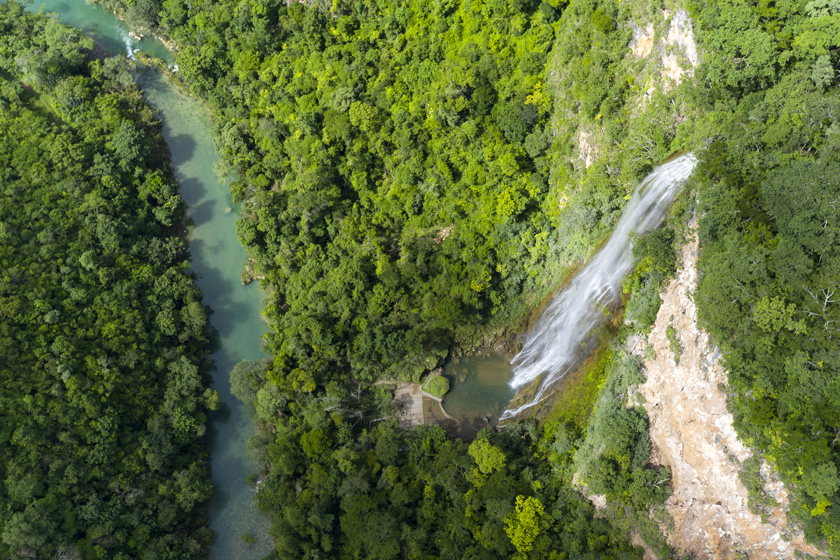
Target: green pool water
point(480, 388)
point(217, 259)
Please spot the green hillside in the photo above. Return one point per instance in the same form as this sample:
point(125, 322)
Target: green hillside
point(417, 178)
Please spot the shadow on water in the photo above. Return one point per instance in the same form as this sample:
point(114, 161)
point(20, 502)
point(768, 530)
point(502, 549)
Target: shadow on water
point(215, 281)
point(181, 148)
point(218, 417)
point(201, 213)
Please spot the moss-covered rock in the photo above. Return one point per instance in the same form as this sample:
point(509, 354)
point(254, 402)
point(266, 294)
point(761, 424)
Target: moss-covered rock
point(437, 386)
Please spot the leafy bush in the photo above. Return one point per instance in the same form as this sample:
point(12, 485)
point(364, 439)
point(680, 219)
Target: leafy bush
point(760, 502)
point(437, 386)
point(614, 456)
point(655, 258)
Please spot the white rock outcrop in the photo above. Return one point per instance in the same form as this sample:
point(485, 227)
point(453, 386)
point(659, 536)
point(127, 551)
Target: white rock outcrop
point(691, 432)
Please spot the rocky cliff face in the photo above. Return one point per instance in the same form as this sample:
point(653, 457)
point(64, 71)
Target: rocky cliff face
point(661, 53)
point(692, 433)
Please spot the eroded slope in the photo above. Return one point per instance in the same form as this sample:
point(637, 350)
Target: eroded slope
point(692, 433)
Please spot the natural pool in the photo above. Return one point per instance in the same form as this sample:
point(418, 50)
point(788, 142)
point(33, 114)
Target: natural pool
point(480, 388)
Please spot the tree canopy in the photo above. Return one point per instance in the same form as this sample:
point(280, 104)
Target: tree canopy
point(103, 342)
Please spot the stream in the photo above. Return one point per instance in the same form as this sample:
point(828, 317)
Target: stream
point(216, 259)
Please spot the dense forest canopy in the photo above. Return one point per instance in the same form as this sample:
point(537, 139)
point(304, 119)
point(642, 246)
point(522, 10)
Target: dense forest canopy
point(769, 227)
point(395, 166)
point(103, 338)
point(400, 188)
point(410, 179)
point(405, 175)
point(342, 484)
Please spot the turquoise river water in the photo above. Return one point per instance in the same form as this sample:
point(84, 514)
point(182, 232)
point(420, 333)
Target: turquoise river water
point(217, 260)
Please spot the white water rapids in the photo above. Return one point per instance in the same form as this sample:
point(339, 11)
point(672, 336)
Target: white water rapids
point(128, 41)
point(553, 347)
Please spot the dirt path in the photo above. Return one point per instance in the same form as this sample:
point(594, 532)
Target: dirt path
point(692, 433)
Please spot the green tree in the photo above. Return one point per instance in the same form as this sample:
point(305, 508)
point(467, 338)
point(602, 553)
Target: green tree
point(487, 456)
point(523, 526)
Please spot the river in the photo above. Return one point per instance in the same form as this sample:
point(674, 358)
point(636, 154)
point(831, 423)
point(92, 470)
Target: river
point(216, 259)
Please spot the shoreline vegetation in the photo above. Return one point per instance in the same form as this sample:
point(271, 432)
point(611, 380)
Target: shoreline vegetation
point(416, 177)
point(105, 342)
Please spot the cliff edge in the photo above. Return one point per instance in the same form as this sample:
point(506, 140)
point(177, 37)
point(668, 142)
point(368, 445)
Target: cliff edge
point(692, 433)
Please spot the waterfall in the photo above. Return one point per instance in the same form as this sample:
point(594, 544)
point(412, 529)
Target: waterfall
point(553, 347)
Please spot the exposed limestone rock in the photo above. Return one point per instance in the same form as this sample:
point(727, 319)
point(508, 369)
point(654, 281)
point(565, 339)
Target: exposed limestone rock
point(666, 60)
point(642, 42)
point(443, 234)
point(599, 501)
point(671, 68)
point(680, 39)
point(649, 554)
point(587, 151)
point(692, 433)
point(681, 34)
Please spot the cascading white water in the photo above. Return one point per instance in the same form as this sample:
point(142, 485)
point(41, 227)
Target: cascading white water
point(553, 347)
point(128, 41)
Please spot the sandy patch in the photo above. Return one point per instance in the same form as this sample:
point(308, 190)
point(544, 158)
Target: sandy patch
point(587, 151)
point(642, 42)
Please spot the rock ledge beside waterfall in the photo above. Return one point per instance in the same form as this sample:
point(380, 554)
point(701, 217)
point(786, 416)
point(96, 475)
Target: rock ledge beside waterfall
point(691, 432)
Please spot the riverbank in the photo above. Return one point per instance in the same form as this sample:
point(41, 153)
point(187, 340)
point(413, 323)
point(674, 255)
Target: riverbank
point(105, 393)
point(216, 259)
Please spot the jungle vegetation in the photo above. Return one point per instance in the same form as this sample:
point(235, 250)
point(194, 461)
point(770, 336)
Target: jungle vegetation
point(403, 190)
point(103, 338)
point(396, 166)
point(410, 179)
point(405, 174)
